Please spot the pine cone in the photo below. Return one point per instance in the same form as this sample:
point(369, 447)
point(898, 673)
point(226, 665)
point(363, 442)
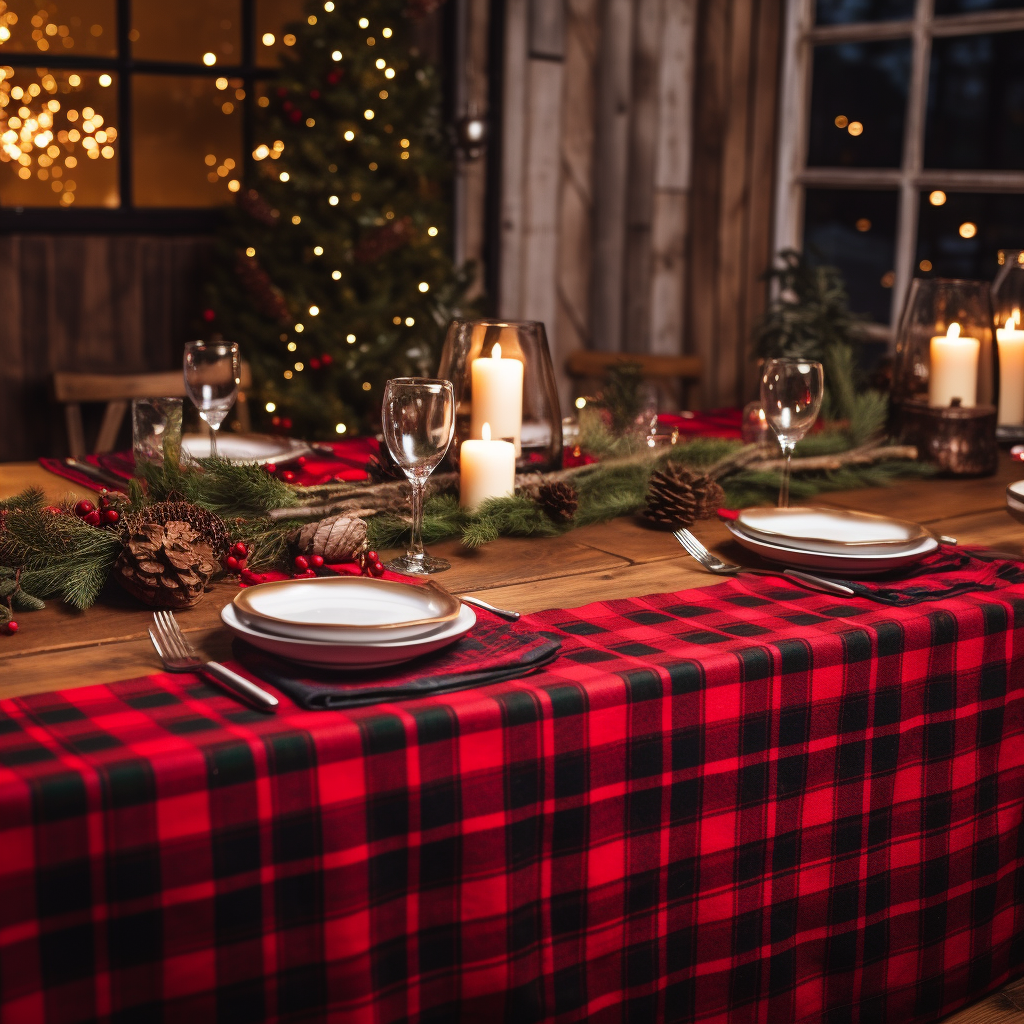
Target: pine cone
point(165, 565)
point(560, 500)
point(204, 522)
point(677, 497)
point(336, 539)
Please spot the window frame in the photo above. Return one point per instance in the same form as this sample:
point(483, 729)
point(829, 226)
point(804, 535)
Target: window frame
point(127, 217)
point(800, 36)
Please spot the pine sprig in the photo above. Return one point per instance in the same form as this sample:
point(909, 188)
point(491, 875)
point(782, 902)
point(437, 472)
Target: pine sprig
point(58, 554)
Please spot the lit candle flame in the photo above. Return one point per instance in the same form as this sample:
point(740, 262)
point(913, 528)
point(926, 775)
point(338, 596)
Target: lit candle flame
point(1016, 310)
point(485, 430)
point(1010, 324)
point(954, 330)
point(495, 354)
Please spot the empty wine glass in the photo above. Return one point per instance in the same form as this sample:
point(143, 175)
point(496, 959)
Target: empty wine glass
point(419, 420)
point(212, 375)
point(791, 391)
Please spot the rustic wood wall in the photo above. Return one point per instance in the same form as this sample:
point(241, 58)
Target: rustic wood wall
point(638, 145)
point(104, 303)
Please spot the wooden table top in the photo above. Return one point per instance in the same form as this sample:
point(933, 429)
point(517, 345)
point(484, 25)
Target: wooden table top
point(60, 648)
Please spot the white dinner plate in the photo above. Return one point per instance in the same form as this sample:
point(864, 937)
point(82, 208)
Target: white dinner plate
point(848, 563)
point(256, 448)
point(346, 609)
point(350, 656)
point(832, 530)
point(1015, 500)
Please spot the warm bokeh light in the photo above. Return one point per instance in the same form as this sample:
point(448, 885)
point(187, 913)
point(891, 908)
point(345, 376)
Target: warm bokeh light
point(863, 224)
point(842, 121)
point(968, 229)
point(925, 265)
point(855, 128)
point(937, 198)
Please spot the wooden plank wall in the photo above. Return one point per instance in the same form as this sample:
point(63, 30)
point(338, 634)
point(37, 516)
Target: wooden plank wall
point(652, 231)
point(105, 303)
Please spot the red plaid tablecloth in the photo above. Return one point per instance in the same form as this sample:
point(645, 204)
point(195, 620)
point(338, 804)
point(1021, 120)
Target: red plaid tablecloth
point(742, 803)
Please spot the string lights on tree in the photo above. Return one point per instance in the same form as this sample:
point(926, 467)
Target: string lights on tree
point(335, 272)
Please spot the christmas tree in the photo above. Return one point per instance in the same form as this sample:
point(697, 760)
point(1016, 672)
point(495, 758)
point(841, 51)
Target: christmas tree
point(333, 270)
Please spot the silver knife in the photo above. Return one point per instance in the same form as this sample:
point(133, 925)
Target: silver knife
point(817, 583)
point(95, 473)
point(500, 612)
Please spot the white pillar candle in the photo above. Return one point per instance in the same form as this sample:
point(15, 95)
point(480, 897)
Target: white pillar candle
point(487, 469)
point(1011, 373)
point(497, 397)
point(954, 371)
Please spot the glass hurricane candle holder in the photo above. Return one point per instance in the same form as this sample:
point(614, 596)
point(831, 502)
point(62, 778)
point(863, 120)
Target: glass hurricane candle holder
point(945, 381)
point(1007, 303)
point(502, 375)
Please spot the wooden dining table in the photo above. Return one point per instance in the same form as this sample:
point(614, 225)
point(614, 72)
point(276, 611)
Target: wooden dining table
point(60, 648)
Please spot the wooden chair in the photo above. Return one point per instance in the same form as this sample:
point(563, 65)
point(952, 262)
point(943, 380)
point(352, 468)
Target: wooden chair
point(686, 369)
point(117, 390)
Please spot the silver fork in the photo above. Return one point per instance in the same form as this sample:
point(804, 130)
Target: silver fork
point(695, 549)
point(178, 655)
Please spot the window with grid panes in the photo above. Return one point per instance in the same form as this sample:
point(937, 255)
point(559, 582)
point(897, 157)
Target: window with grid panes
point(902, 141)
point(132, 109)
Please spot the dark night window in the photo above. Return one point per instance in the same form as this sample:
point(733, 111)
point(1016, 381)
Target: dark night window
point(902, 141)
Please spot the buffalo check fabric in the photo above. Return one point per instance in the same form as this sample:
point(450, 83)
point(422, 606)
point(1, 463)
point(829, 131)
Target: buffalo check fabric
point(747, 803)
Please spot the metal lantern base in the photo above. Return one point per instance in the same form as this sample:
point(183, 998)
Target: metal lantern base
point(961, 442)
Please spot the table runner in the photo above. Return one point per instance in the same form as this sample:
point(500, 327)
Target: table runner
point(740, 803)
point(349, 459)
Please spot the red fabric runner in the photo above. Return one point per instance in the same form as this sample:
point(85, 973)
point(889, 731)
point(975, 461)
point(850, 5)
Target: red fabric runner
point(743, 803)
point(349, 459)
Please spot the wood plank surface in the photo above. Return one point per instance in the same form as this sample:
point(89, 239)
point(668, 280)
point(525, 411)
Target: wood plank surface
point(60, 648)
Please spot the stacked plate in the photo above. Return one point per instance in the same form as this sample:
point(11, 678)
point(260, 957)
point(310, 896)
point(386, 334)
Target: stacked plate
point(253, 448)
point(835, 540)
point(348, 621)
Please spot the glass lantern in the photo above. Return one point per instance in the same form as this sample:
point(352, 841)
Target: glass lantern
point(502, 374)
point(1007, 302)
point(946, 376)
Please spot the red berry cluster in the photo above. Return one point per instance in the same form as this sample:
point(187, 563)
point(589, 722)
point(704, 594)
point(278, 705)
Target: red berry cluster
point(12, 626)
point(105, 515)
point(370, 564)
point(236, 559)
point(306, 566)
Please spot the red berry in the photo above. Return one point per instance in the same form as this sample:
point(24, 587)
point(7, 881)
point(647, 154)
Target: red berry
point(231, 563)
point(239, 550)
point(287, 476)
point(271, 467)
point(111, 515)
point(301, 563)
point(93, 518)
point(83, 508)
point(372, 556)
point(307, 575)
point(248, 576)
point(378, 568)
point(12, 626)
point(242, 563)
point(316, 561)
point(301, 460)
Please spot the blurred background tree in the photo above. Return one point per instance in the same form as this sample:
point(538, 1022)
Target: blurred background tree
point(333, 271)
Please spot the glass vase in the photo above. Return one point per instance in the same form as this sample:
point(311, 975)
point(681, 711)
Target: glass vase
point(502, 375)
point(945, 382)
point(1007, 303)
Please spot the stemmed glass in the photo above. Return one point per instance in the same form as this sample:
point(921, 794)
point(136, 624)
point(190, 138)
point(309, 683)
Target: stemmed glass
point(212, 375)
point(791, 392)
point(419, 421)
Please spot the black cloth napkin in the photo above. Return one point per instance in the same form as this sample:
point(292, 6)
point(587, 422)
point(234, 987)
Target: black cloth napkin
point(947, 572)
point(492, 652)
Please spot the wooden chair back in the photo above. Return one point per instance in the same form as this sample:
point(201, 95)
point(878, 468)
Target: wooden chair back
point(686, 369)
point(117, 390)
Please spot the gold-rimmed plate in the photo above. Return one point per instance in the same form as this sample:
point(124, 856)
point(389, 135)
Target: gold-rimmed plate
point(346, 609)
point(830, 530)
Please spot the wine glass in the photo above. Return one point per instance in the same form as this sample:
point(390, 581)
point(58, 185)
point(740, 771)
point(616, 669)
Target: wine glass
point(419, 421)
point(791, 392)
point(212, 375)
